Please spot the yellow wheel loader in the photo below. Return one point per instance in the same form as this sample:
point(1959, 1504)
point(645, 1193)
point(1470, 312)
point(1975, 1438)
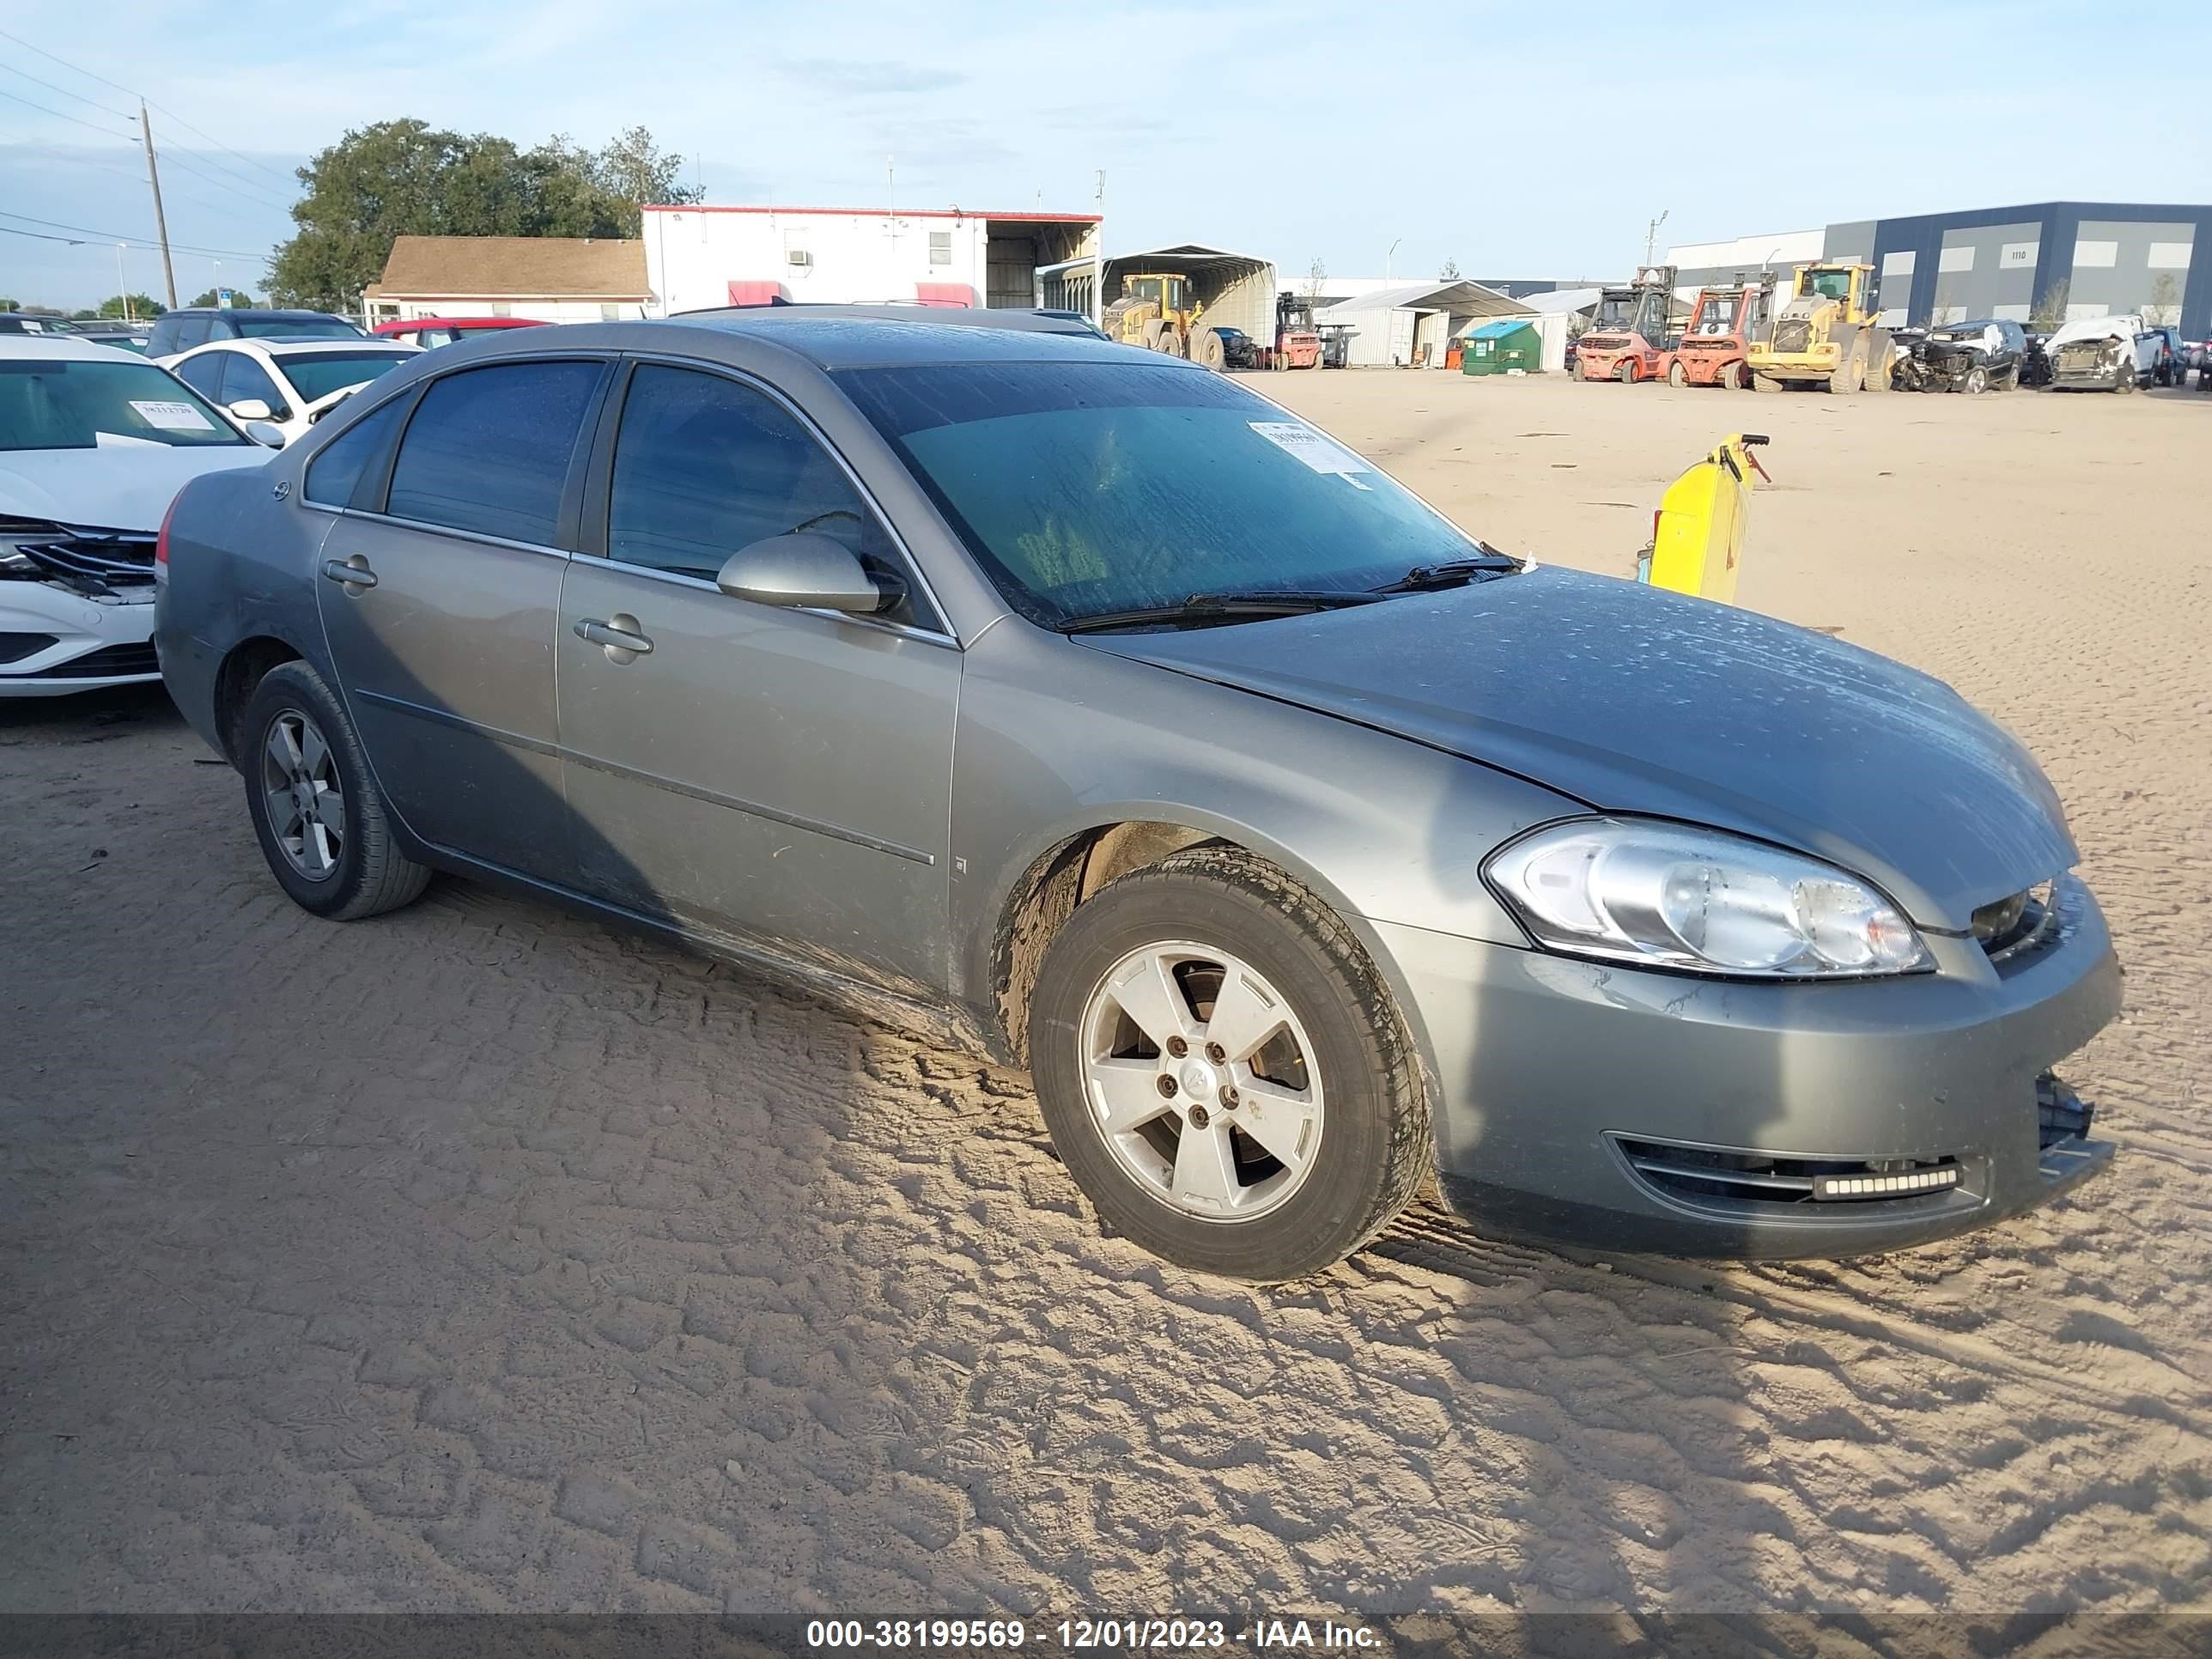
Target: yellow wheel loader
point(1158, 312)
point(1825, 335)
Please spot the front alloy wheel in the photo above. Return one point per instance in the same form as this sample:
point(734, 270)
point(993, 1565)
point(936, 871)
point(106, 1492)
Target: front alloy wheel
point(1200, 1081)
point(305, 796)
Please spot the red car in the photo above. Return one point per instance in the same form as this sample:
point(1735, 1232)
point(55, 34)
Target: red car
point(427, 332)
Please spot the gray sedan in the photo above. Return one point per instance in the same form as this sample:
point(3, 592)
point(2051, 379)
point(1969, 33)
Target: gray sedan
point(1083, 708)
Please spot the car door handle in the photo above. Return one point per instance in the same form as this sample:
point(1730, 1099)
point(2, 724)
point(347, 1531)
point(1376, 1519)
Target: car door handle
point(614, 639)
point(353, 576)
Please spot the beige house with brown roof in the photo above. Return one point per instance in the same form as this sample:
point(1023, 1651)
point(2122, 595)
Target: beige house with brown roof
point(553, 279)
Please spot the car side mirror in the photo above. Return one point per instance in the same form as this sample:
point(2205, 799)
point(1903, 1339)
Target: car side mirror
point(805, 570)
point(252, 409)
point(266, 433)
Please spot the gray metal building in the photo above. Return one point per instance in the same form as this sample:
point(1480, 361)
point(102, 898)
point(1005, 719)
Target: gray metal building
point(2044, 261)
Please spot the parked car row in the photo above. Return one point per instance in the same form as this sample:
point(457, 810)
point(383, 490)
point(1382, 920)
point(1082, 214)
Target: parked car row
point(2098, 354)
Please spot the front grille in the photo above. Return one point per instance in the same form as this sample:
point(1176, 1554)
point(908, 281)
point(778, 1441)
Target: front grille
point(93, 561)
point(1711, 1177)
point(109, 662)
point(14, 648)
point(2082, 356)
point(1793, 334)
point(2023, 923)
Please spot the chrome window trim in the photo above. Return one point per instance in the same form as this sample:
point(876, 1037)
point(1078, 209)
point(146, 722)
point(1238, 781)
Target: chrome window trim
point(429, 529)
point(753, 382)
point(678, 579)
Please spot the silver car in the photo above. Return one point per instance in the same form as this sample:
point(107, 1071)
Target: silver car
point(1081, 707)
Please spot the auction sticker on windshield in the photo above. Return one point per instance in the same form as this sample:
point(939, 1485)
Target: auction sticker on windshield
point(172, 416)
point(1323, 454)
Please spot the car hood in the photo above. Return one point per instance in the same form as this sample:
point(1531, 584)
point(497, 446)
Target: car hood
point(1632, 699)
point(126, 487)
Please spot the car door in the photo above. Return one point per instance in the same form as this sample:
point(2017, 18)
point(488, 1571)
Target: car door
point(440, 588)
point(777, 774)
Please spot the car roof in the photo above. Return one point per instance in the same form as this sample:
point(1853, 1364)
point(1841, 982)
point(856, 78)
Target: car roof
point(296, 348)
point(873, 337)
point(74, 347)
point(243, 311)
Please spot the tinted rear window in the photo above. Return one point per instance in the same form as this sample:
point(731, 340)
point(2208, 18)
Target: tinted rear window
point(488, 449)
point(294, 328)
point(332, 475)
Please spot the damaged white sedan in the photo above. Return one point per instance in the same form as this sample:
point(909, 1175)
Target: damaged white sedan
point(2102, 354)
point(95, 444)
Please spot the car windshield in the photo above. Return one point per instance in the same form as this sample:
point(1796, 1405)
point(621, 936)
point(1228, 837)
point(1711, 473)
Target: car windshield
point(1091, 489)
point(297, 328)
point(316, 374)
point(1615, 311)
point(69, 403)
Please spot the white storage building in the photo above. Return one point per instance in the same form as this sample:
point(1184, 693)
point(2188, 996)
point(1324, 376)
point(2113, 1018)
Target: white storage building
point(697, 256)
point(1412, 324)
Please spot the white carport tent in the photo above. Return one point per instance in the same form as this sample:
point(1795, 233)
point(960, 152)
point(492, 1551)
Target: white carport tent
point(1394, 325)
point(1237, 289)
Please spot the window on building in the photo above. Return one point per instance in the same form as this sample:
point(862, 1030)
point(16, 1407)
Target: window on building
point(940, 248)
point(609, 314)
point(502, 309)
point(488, 449)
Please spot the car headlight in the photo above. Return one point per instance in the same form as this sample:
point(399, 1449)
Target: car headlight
point(1670, 895)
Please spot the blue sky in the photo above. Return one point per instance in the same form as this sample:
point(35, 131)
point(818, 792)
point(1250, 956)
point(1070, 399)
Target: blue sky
point(1279, 128)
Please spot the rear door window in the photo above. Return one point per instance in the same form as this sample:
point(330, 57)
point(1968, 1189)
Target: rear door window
point(333, 474)
point(488, 449)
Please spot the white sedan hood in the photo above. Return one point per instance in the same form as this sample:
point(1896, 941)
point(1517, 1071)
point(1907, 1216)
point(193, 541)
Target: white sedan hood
point(125, 486)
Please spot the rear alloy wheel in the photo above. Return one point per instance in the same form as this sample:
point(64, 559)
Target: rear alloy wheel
point(1677, 376)
point(1222, 1072)
point(315, 810)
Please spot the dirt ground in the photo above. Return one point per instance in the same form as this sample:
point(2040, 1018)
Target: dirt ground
point(480, 1257)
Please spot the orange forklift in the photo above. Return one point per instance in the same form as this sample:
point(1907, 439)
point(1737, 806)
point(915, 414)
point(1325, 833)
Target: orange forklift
point(1723, 325)
point(1297, 342)
point(1629, 338)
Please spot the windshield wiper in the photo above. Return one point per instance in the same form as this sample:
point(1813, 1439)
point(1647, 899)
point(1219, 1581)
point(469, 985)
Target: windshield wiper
point(1223, 607)
point(1453, 573)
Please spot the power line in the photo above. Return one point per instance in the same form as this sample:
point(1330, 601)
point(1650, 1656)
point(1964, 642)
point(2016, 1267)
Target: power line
point(74, 241)
point(133, 241)
point(175, 158)
point(127, 137)
point(53, 86)
point(119, 86)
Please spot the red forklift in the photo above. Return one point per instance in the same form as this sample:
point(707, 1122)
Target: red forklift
point(1723, 323)
point(1297, 342)
point(1631, 338)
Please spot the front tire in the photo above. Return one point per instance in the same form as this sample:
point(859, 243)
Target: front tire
point(1222, 1071)
point(1677, 376)
point(316, 811)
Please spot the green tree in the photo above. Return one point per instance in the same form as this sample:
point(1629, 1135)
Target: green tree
point(9, 305)
point(239, 297)
point(142, 304)
point(1449, 273)
point(406, 178)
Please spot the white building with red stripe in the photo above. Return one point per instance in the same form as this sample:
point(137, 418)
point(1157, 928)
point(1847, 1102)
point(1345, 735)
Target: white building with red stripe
point(700, 256)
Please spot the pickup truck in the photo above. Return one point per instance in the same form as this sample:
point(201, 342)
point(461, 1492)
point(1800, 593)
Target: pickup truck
point(2105, 354)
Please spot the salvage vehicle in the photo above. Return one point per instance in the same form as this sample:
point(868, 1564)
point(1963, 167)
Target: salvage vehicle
point(2102, 354)
point(2035, 358)
point(93, 443)
point(1824, 338)
point(2173, 366)
point(1088, 709)
point(1971, 357)
point(1724, 322)
point(290, 384)
point(1631, 335)
point(1238, 349)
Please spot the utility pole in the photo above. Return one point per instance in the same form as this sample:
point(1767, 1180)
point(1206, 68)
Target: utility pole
point(122, 287)
point(1651, 234)
point(1098, 255)
point(161, 222)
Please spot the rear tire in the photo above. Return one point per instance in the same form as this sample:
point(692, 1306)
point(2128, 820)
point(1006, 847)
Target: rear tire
point(1625, 371)
point(1764, 383)
point(1364, 1146)
point(338, 858)
point(1732, 377)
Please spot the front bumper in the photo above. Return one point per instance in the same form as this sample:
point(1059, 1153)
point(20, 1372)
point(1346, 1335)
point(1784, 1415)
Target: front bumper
point(1554, 1080)
point(91, 643)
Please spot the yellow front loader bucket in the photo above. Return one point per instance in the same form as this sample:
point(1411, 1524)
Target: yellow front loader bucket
point(1697, 535)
